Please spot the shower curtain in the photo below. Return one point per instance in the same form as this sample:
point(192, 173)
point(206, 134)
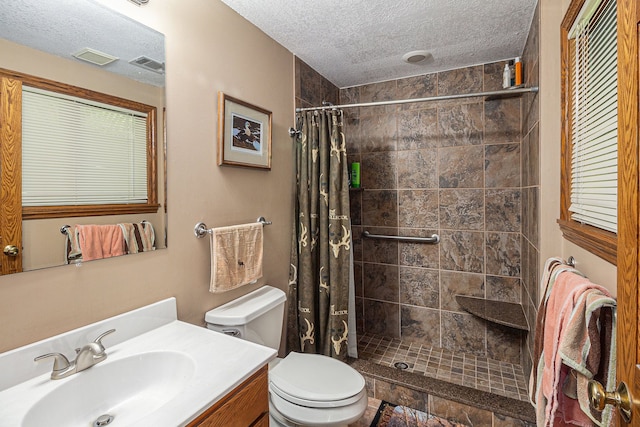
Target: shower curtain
point(321, 266)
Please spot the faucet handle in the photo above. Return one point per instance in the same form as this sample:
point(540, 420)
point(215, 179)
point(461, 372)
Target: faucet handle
point(60, 362)
point(101, 336)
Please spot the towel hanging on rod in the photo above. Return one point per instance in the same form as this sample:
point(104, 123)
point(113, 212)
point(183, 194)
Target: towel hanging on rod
point(201, 229)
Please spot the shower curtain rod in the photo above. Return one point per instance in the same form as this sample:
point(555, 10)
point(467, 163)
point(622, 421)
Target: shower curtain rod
point(428, 99)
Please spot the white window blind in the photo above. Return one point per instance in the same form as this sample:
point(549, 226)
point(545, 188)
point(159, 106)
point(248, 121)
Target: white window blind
point(80, 152)
point(594, 166)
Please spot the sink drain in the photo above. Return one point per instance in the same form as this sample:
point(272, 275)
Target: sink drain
point(401, 365)
point(103, 420)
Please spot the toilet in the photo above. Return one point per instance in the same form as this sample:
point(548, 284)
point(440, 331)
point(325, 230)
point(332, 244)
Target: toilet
point(304, 389)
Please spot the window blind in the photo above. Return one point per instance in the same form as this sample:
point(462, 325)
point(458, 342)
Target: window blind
point(81, 152)
point(594, 170)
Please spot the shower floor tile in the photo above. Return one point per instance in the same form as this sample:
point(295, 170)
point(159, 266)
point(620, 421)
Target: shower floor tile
point(502, 378)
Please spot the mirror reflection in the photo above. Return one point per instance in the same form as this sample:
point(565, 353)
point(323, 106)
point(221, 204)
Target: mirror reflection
point(90, 55)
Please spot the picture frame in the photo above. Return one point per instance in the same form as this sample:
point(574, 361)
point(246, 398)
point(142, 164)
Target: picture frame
point(244, 134)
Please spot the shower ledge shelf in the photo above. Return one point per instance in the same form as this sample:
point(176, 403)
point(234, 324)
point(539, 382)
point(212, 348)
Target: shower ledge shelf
point(504, 313)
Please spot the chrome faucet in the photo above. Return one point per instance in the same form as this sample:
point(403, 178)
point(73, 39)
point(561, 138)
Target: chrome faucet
point(86, 357)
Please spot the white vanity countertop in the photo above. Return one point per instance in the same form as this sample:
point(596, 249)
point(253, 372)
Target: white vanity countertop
point(221, 363)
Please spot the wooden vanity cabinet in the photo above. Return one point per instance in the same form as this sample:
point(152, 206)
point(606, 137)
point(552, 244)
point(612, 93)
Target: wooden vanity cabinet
point(246, 406)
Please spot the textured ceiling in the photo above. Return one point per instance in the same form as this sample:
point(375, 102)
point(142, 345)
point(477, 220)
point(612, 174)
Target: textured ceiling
point(356, 42)
point(63, 27)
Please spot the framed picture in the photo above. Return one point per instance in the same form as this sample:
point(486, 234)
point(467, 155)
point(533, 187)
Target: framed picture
point(244, 134)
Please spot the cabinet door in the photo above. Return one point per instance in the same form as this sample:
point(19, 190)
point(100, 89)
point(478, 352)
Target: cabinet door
point(247, 405)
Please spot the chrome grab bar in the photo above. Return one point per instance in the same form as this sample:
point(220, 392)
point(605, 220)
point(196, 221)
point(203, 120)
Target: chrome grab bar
point(430, 240)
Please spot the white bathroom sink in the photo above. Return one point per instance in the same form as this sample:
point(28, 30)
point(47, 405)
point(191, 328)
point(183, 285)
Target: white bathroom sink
point(159, 371)
point(126, 390)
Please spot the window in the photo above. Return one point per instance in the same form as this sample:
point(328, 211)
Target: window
point(590, 122)
point(91, 152)
point(84, 153)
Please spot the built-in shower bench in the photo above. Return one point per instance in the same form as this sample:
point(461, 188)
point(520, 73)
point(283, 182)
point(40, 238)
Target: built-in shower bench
point(504, 313)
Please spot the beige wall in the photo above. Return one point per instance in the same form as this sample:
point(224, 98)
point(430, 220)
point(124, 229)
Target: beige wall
point(207, 47)
point(551, 241)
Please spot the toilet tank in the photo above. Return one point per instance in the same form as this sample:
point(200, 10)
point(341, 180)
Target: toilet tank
point(255, 317)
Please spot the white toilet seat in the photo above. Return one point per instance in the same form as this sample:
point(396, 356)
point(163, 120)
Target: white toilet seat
point(313, 403)
point(326, 417)
point(314, 380)
point(310, 389)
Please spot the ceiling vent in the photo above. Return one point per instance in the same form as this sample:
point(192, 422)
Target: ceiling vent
point(94, 56)
point(148, 64)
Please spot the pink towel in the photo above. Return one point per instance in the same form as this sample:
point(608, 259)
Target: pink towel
point(566, 300)
point(100, 241)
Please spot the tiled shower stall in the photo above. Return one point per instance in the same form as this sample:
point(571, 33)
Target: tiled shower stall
point(465, 169)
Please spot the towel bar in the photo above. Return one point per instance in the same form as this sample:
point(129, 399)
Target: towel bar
point(201, 230)
point(65, 228)
point(432, 240)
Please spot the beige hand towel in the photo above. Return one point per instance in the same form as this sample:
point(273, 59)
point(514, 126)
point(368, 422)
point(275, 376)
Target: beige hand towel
point(236, 256)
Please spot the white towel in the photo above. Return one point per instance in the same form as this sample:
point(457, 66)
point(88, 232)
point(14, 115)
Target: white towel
point(236, 256)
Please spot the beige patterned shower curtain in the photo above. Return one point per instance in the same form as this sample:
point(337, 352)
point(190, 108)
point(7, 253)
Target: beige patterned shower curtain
point(321, 242)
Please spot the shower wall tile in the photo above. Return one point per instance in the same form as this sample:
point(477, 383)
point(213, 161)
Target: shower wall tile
point(462, 80)
point(308, 83)
point(418, 169)
point(357, 278)
point(418, 129)
point(493, 76)
point(360, 315)
point(378, 170)
point(461, 167)
point(419, 286)
point(462, 209)
point(503, 210)
point(381, 282)
point(533, 157)
point(460, 124)
point(382, 318)
point(312, 87)
point(531, 113)
point(380, 208)
point(418, 324)
point(502, 120)
point(375, 92)
point(503, 343)
point(350, 95)
point(418, 208)
point(463, 332)
point(355, 207)
point(378, 133)
point(462, 251)
point(417, 87)
point(456, 283)
point(503, 254)
point(533, 204)
point(352, 134)
point(502, 165)
point(356, 242)
point(501, 288)
point(380, 251)
point(418, 254)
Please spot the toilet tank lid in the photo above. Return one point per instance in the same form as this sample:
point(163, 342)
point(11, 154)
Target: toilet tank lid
point(242, 310)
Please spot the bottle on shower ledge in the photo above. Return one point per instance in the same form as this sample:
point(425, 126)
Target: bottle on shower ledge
point(355, 175)
point(506, 76)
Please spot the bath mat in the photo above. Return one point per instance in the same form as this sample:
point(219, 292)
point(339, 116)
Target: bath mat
point(391, 415)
